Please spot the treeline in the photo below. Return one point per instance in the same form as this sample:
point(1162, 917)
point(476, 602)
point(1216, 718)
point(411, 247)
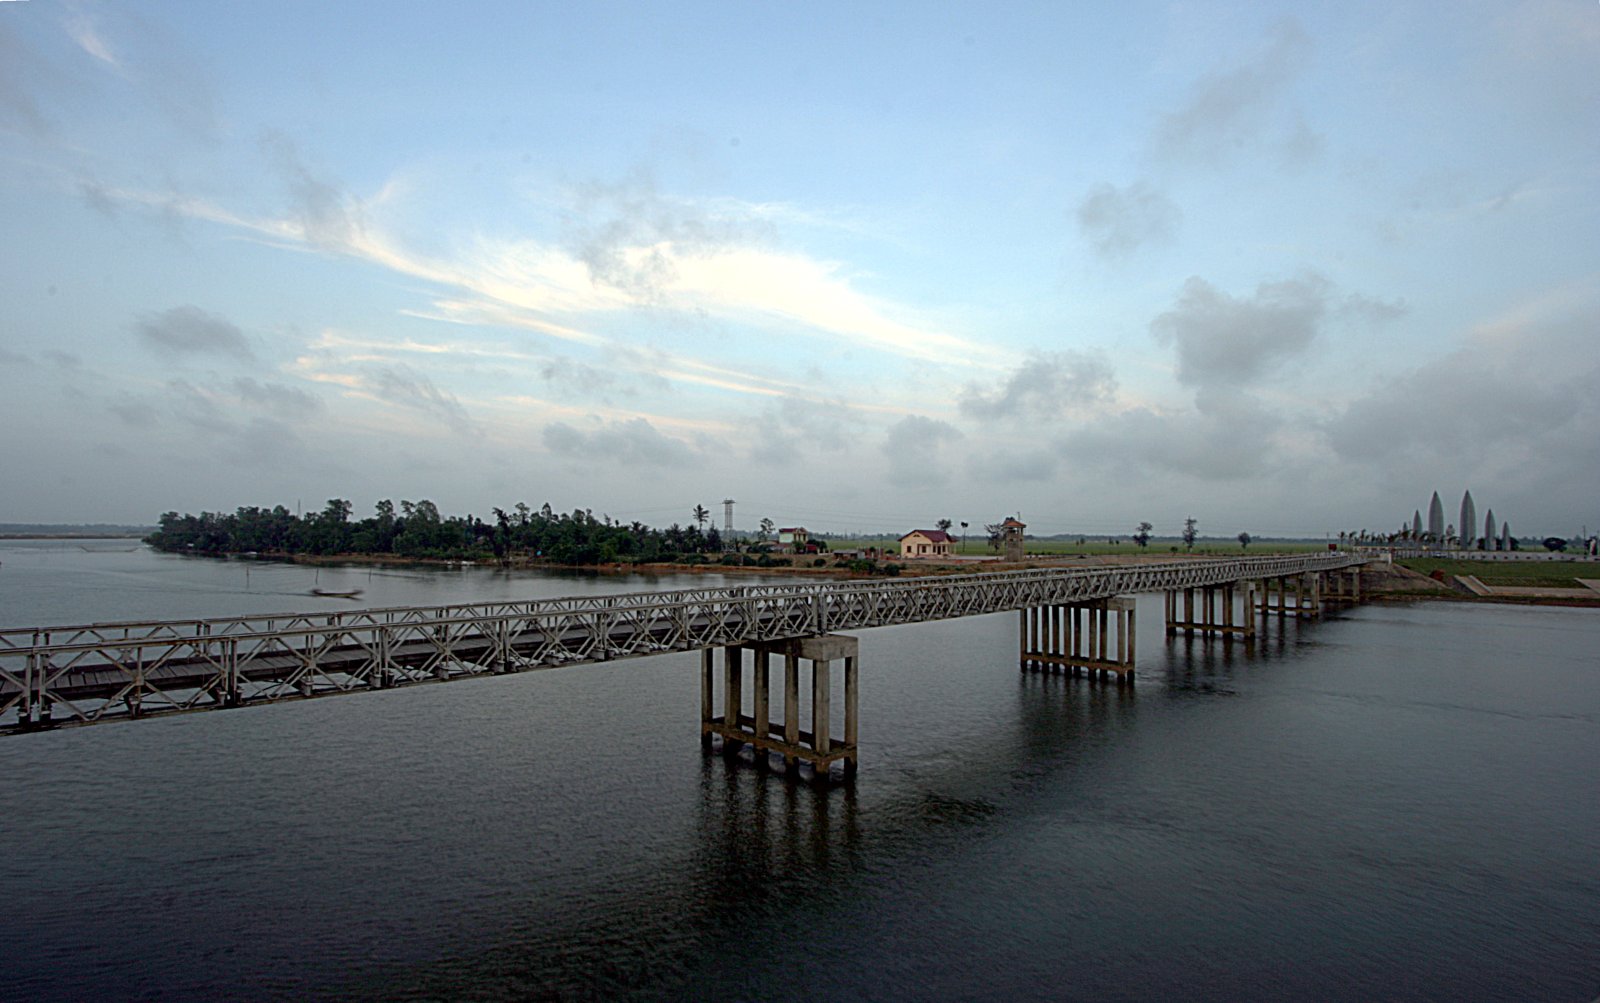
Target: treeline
point(417, 530)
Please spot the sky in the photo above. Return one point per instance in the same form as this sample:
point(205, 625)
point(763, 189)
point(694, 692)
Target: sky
point(1284, 269)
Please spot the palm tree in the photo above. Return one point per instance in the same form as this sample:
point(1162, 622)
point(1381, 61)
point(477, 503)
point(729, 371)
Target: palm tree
point(700, 516)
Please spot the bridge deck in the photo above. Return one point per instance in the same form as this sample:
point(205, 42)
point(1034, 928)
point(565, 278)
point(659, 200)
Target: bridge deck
point(93, 672)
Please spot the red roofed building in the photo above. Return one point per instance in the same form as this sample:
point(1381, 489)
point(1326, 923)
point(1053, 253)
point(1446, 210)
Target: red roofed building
point(926, 543)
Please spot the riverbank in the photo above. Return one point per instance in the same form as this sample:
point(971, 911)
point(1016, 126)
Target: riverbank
point(1379, 581)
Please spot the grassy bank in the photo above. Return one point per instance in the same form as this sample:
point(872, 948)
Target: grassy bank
point(1527, 574)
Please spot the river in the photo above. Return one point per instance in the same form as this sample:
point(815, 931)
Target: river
point(1401, 800)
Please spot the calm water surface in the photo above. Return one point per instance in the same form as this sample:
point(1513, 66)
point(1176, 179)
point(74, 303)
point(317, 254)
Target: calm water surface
point(1401, 801)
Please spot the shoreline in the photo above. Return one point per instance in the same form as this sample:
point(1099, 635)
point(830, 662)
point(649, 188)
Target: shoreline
point(1393, 583)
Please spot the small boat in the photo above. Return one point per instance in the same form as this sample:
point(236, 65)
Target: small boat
point(331, 594)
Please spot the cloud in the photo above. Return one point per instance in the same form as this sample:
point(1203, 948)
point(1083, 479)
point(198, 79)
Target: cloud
point(135, 413)
point(631, 442)
point(402, 385)
point(794, 426)
point(99, 198)
point(278, 398)
point(630, 236)
point(1005, 462)
point(578, 377)
point(189, 330)
point(1117, 221)
point(1229, 439)
point(14, 359)
point(1228, 109)
point(1045, 386)
point(324, 214)
point(916, 447)
point(1220, 339)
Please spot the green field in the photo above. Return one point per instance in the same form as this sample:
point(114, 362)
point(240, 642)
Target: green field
point(1097, 546)
point(1529, 574)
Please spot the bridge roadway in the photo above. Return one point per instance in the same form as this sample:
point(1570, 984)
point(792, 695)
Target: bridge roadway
point(96, 672)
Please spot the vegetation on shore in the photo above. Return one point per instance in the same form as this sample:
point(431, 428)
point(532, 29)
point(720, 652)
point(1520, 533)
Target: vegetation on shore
point(418, 532)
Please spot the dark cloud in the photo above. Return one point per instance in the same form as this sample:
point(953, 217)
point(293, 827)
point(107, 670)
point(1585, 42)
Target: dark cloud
point(1303, 145)
point(1227, 439)
point(618, 228)
point(634, 442)
point(247, 438)
point(1045, 386)
point(1117, 221)
point(1220, 339)
point(1005, 462)
point(402, 385)
point(1223, 341)
point(13, 359)
point(1229, 109)
point(916, 450)
point(278, 398)
point(135, 413)
point(793, 427)
point(577, 376)
point(328, 216)
point(189, 330)
point(97, 197)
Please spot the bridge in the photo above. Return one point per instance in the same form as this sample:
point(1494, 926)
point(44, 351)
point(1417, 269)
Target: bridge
point(1076, 620)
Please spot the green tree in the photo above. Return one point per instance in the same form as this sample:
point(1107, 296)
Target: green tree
point(1142, 535)
point(997, 534)
point(1244, 540)
point(1189, 533)
point(767, 526)
point(700, 516)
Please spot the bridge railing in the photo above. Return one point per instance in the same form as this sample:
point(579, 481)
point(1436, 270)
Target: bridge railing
point(87, 673)
point(1041, 581)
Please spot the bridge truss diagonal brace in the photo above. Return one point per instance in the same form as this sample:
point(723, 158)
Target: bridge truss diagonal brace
point(738, 726)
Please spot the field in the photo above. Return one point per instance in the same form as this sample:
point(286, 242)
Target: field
point(974, 546)
point(1528, 574)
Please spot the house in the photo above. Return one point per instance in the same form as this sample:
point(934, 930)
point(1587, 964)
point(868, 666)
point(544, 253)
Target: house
point(926, 543)
point(797, 540)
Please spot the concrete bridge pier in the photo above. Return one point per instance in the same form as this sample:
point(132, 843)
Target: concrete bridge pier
point(1094, 638)
point(737, 729)
point(1305, 603)
point(1343, 585)
point(1215, 613)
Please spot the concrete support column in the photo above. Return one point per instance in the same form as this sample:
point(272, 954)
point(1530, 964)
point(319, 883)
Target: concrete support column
point(732, 695)
point(763, 682)
point(1132, 633)
point(708, 702)
point(821, 704)
point(852, 709)
point(791, 707)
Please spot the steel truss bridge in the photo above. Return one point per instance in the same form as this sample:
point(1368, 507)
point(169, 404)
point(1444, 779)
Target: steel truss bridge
point(86, 674)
